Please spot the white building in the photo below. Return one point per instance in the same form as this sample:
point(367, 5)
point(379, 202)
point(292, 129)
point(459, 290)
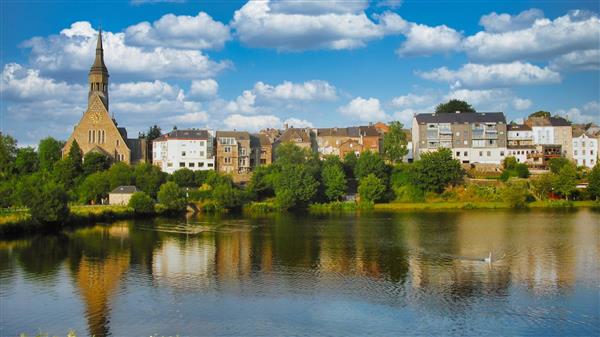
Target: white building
point(520, 142)
point(585, 150)
point(192, 149)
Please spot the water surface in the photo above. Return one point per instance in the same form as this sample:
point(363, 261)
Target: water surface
point(382, 274)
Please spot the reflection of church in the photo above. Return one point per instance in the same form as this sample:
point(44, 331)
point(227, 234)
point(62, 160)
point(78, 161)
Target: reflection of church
point(97, 131)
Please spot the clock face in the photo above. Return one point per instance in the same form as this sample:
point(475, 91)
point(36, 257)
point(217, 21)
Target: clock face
point(96, 116)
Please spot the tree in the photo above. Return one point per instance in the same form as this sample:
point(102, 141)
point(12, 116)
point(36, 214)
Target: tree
point(394, 143)
point(371, 163)
point(95, 162)
point(141, 203)
point(48, 203)
point(226, 196)
point(49, 152)
point(565, 182)
point(76, 156)
point(288, 153)
point(171, 197)
point(540, 113)
point(556, 164)
point(454, 105)
point(594, 182)
point(94, 187)
point(436, 170)
point(350, 160)
point(153, 133)
point(516, 193)
point(296, 185)
point(120, 174)
point(541, 185)
point(8, 153)
point(65, 173)
point(513, 169)
point(148, 178)
point(334, 179)
point(26, 161)
point(371, 188)
point(261, 183)
point(184, 177)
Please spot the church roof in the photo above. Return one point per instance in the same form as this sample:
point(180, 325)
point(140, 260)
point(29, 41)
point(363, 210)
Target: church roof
point(99, 65)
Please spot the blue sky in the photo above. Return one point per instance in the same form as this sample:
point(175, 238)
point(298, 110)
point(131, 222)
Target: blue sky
point(231, 64)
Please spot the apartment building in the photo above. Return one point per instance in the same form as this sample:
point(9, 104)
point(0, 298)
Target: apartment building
point(234, 154)
point(331, 140)
point(473, 137)
point(520, 142)
point(552, 131)
point(191, 148)
point(585, 149)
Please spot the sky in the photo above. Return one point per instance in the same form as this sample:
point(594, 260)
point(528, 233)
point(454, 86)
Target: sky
point(250, 65)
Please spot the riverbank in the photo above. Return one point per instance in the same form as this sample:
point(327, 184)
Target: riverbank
point(396, 206)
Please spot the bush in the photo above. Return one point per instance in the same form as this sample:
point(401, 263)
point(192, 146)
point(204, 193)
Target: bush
point(48, 203)
point(556, 164)
point(171, 197)
point(371, 189)
point(184, 177)
point(593, 189)
point(260, 207)
point(541, 186)
point(141, 203)
point(409, 193)
point(516, 193)
point(94, 187)
point(437, 170)
point(228, 197)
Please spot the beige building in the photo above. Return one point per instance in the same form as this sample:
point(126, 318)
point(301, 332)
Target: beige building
point(552, 131)
point(121, 195)
point(97, 131)
point(234, 154)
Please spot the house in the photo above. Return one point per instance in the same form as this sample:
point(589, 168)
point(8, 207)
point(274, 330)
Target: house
point(552, 131)
point(330, 139)
point(264, 147)
point(585, 149)
point(234, 153)
point(121, 195)
point(350, 146)
point(474, 138)
point(192, 149)
point(301, 137)
point(520, 142)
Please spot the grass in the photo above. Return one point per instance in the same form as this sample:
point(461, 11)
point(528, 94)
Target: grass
point(481, 205)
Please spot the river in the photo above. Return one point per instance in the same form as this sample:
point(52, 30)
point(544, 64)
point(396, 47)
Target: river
point(378, 273)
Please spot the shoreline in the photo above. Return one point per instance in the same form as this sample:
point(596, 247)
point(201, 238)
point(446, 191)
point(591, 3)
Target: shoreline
point(465, 205)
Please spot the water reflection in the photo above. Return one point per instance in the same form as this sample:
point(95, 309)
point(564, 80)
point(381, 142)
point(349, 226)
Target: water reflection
point(426, 263)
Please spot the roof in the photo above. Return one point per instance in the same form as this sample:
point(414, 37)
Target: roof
point(332, 132)
point(369, 131)
point(463, 117)
point(135, 145)
point(122, 132)
point(98, 65)
point(184, 134)
point(292, 134)
point(125, 189)
point(239, 135)
point(548, 121)
point(264, 139)
point(518, 127)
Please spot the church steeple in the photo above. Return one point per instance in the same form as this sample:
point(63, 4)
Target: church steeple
point(98, 76)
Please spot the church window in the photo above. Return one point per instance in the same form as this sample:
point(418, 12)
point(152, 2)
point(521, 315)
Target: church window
point(89, 136)
point(117, 142)
point(93, 136)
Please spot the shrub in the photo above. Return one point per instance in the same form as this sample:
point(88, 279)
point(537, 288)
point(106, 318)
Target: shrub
point(258, 207)
point(171, 197)
point(371, 189)
point(48, 203)
point(437, 170)
point(409, 193)
point(541, 186)
point(594, 183)
point(141, 203)
point(516, 193)
point(556, 164)
point(565, 182)
point(184, 177)
point(226, 196)
point(94, 187)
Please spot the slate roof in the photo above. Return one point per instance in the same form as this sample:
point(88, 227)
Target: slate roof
point(518, 127)
point(544, 121)
point(464, 117)
point(369, 131)
point(184, 134)
point(239, 135)
point(292, 134)
point(125, 189)
point(332, 132)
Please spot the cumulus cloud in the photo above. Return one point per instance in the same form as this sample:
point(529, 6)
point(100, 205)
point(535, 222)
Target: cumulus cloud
point(588, 113)
point(73, 50)
point(26, 84)
point(411, 100)
point(580, 60)
point(318, 7)
point(189, 118)
point(308, 91)
point(298, 123)
point(543, 39)
point(521, 103)
point(251, 123)
point(368, 110)
point(204, 89)
point(243, 103)
point(183, 31)
point(500, 23)
point(473, 75)
point(144, 90)
point(490, 99)
point(426, 40)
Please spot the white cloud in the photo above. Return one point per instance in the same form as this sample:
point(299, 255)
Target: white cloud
point(298, 123)
point(183, 31)
point(588, 113)
point(304, 25)
point(545, 38)
point(389, 3)
point(473, 75)
point(592, 106)
point(426, 40)
point(499, 23)
point(204, 89)
point(521, 103)
point(251, 123)
point(243, 103)
point(578, 60)
point(308, 91)
point(189, 118)
point(405, 116)
point(144, 90)
point(368, 110)
point(73, 50)
point(26, 84)
point(411, 100)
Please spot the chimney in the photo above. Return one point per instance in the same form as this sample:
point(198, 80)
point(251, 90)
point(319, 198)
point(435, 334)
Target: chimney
point(285, 126)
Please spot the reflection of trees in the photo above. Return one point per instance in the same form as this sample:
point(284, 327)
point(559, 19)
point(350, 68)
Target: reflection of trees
point(43, 255)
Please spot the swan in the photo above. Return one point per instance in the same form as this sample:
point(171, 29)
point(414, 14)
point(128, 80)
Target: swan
point(488, 259)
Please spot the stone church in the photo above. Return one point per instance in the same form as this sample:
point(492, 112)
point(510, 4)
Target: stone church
point(97, 130)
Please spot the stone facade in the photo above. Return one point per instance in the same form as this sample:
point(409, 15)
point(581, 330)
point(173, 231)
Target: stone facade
point(234, 154)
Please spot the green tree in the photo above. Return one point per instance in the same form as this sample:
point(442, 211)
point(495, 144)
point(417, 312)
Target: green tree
point(436, 170)
point(333, 179)
point(120, 174)
point(594, 182)
point(556, 164)
point(371, 163)
point(49, 152)
point(148, 178)
point(540, 113)
point(227, 196)
point(565, 182)
point(261, 184)
point(200, 177)
point(394, 143)
point(541, 185)
point(153, 133)
point(516, 193)
point(141, 203)
point(454, 105)
point(26, 161)
point(296, 185)
point(95, 162)
point(8, 153)
point(371, 188)
point(65, 173)
point(76, 156)
point(513, 169)
point(48, 203)
point(171, 197)
point(94, 187)
point(184, 177)
point(288, 153)
point(350, 160)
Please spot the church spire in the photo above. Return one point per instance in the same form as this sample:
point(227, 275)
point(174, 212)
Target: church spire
point(99, 60)
point(98, 76)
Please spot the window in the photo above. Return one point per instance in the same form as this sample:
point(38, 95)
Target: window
point(501, 153)
point(201, 143)
point(191, 164)
point(458, 153)
point(592, 152)
point(181, 164)
point(466, 142)
point(227, 149)
point(200, 164)
point(227, 160)
point(169, 164)
point(89, 136)
point(201, 153)
point(183, 153)
point(210, 164)
point(481, 153)
point(117, 142)
point(575, 152)
point(466, 153)
point(489, 153)
point(243, 152)
point(457, 134)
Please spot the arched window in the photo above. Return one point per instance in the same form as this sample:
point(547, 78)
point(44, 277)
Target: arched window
point(93, 136)
point(89, 136)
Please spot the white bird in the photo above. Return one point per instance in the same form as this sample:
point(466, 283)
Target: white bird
point(488, 259)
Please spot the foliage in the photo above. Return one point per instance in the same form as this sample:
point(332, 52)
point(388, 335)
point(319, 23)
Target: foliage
point(153, 133)
point(261, 184)
point(8, 153)
point(514, 169)
point(540, 113)
point(94, 187)
point(26, 161)
point(556, 164)
point(333, 178)
point(394, 143)
point(371, 188)
point(594, 183)
point(227, 196)
point(120, 174)
point(148, 178)
point(76, 157)
point(516, 193)
point(95, 162)
point(565, 182)
point(295, 186)
point(371, 163)
point(256, 207)
point(436, 170)
point(49, 152)
point(408, 193)
point(350, 160)
point(214, 178)
point(334, 206)
point(141, 203)
point(171, 197)
point(48, 202)
point(6, 193)
point(454, 105)
point(65, 172)
point(184, 177)
point(541, 185)
point(200, 177)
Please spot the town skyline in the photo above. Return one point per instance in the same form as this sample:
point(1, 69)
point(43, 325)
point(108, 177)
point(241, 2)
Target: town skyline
point(224, 68)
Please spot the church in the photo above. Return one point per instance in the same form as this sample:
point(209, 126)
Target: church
point(97, 130)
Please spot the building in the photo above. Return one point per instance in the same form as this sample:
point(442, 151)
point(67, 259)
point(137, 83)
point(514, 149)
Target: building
point(585, 149)
point(473, 137)
point(350, 146)
point(330, 140)
point(97, 131)
point(542, 155)
point(121, 195)
point(552, 131)
point(192, 149)
point(234, 154)
point(264, 146)
point(302, 137)
point(520, 142)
